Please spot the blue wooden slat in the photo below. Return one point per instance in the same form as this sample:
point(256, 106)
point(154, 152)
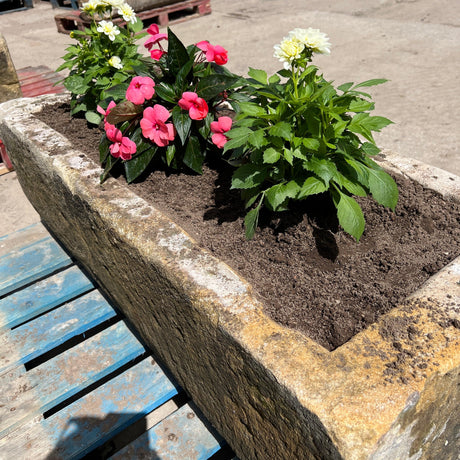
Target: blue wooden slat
point(94, 419)
point(31, 263)
point(182, 435)
point(23, 237)
point(42, 296)
point(42, 388)
point(52, 329)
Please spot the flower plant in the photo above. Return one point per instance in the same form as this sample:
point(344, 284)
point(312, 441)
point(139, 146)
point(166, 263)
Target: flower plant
point(104, 56)
point(297, 135)
point(170, 109)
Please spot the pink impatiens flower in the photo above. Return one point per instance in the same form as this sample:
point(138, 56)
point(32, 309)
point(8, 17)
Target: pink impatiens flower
point(140, 89)
point(157, 54)
point(122, 147)
point(213, 53)
point(107, 111)
point(196, 106)
point(154, 127)
point(219, 127)
point(155, 39)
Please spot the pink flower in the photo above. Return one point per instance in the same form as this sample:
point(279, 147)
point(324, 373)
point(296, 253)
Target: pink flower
point(140, 89)
point(219, 127)
point(213, 53)
point(196, 106)
point(122, 147)
point(106, 112)
point(154, 127)
point(156, 54)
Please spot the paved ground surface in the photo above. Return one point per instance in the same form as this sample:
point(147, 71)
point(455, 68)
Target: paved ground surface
point(413, 43)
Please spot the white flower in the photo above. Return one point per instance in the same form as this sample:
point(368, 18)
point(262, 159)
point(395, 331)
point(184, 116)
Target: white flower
point(90, 6)
point(115, 61)
point(108, 29)
point(288, 50)
point(127, 12)
point(317, 41)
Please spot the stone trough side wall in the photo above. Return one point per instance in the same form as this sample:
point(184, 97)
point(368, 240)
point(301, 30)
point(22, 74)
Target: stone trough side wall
point(268, 390)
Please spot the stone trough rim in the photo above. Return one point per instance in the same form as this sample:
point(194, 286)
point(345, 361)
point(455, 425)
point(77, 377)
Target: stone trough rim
point(228, 299)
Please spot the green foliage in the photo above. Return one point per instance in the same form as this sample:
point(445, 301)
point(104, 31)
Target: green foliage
point(96, 63)
point(302, 137)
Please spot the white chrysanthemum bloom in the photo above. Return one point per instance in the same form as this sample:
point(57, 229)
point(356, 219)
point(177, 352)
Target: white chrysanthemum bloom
point(90, 6)
point(115, 61)
point(127, 12)
point(287, 51)
point(108, 29)
point(314, 39)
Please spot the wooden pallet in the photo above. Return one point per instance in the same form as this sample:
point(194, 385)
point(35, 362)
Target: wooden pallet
point(74, 378)
point(169, 14)
point(34, 81)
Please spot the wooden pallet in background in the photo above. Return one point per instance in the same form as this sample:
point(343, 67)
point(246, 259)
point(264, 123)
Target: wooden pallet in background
point(34, 81)
point(74, 378)
point(169, 14)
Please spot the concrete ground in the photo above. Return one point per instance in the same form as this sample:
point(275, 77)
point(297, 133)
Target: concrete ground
point(413, 43)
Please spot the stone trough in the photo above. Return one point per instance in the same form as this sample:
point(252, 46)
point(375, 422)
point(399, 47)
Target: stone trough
point(270, 391)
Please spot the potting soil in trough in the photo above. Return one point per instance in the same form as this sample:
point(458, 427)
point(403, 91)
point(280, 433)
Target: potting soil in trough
point(309, 274)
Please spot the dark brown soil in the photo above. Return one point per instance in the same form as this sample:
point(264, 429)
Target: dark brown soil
point(309, 274)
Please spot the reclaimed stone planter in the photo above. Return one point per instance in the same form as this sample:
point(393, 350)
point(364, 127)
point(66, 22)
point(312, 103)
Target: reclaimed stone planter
point(270, 391)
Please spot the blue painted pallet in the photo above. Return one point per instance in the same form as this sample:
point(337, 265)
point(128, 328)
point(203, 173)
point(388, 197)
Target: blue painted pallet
point(92, 386)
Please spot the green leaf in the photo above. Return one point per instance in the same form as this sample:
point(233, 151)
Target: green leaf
point(361, 105)
point(165, 92)
point(271, 155)
point(370, 149)
point(311, 144)
point(373, 82)
point(137, 26)
point(212, 85)
point(182, 122)
point(383, 188)
point(103, 149)
point(258, 75)
point(93, 117)
point(138, 164)
point(238, 137)
point(76, 84)
point(177, 55)
point(375, 123)
point(109, 164)
point(124, 111)
point(281, 129)
point(311, 186)
point(350, 215)
point(278, 194)
point(117, 92)
point(252, 109)
point(248, 176)
point(257, 138)
point(345, 87)
point(170, 152)
point(252, 219)
point(194, 155)
point(322, 167)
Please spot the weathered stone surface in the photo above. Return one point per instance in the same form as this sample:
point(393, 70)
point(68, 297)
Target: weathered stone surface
point(9, 83)
point(270, 391)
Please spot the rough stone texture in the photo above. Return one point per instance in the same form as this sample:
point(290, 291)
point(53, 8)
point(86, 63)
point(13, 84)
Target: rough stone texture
point(9, 83)
point(267, 389)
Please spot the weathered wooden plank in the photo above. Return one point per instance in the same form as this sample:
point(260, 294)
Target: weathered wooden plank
point(42, 296)
point(30, 263)
point(23, 237)
point(52, 329)
point(94, 419)
point(181, 435)
point(24, 395)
